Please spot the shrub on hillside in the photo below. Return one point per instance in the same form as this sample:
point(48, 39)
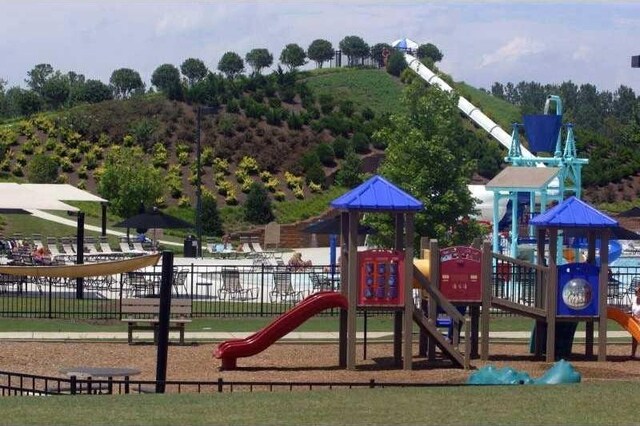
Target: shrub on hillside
point(42, 169)
point(360, 143)
point(396, 63)
point(340, 146)
point(325, 154)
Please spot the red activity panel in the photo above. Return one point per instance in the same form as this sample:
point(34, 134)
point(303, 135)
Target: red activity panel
point(460, 274)
point(381, 282)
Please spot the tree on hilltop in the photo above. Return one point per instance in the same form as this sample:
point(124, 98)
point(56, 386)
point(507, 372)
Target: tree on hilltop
point(167, 79)
point(355, 48)
point(320, 51)
point(293, 56)
point(194, 69)
point(259, 59)
point(231, 65)
point(125, 82)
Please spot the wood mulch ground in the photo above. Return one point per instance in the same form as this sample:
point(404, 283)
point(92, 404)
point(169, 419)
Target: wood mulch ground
point(291, 362)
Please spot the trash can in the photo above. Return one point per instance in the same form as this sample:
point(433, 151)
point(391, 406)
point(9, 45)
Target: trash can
point(190, 246)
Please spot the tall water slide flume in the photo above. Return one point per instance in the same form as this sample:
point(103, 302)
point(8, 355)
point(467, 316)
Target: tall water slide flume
point(464, 105)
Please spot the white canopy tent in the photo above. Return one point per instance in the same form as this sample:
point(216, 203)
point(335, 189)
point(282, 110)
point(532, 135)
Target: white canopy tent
point(62, 192)
point(16, 198)
point(405, 44)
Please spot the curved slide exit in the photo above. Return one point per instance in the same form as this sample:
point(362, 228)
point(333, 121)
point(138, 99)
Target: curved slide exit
point(231, 350)
point(625, 320)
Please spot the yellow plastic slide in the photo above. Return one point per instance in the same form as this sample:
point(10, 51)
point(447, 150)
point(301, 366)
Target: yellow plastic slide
point(625, 320)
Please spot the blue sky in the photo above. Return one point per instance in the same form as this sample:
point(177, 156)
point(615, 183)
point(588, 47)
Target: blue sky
point(482, 42)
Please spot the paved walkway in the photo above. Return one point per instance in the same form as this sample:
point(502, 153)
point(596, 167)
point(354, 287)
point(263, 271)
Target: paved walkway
point(222, 336)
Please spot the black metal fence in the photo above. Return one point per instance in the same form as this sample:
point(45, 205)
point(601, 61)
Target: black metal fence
point(227, 291)
point(215, 290)
point(20, 384)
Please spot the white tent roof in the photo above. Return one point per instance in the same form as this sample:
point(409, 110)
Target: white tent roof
point(62, 192)
point(14, 196)
point(405, 43)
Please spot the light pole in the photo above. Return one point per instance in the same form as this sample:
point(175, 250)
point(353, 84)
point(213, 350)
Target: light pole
point(200, 111)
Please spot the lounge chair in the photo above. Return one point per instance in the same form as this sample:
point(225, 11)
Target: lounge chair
point(319, 282)
point(232, 286)
point(283, 289)
point(180, 280)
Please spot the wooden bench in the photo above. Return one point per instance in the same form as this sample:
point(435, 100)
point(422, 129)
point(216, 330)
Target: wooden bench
point(143, 314)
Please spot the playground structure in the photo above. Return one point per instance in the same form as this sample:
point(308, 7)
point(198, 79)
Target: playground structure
point(556, 296)
point(373, 280)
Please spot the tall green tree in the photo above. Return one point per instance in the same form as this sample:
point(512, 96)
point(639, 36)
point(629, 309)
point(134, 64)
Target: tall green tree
point(125, 82)
point(211, 222)
point(38, 76)
point(423, 158)
point(56, 90)
point(129, 179)
point(94, 91)
point(257, 208)
point(259, 59)
point(167, 79)
point(231, 64)
point(355, 48)
point(293, 56)
point(194, 69)
point(320, 51)
point(350, 173)
point(23, 102)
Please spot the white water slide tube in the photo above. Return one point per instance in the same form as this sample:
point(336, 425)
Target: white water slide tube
point(464, 105)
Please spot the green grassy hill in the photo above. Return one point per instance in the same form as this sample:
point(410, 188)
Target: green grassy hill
point(268, 119)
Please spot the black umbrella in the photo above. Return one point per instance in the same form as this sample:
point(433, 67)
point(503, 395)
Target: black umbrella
point(332, 226)
point(617, 232)
point(632, 212)
point(155, 219)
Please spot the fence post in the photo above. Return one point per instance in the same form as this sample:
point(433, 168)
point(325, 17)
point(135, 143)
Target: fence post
point(262, 291)
point(73, 385)
point(220, 383)
point(163, 323)
point(50, 298)
point(372, 383)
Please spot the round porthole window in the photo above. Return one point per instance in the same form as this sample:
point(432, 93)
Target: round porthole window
point(577, 293)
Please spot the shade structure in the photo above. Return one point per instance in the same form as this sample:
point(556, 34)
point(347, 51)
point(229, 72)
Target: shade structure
point(632, 212)
point(16, 198)
point(154, 219)
point(617, 232)
point(332, 226)
point(404, 43)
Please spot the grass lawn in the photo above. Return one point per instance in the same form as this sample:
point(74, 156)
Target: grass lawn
point(584, 404)
point(244, 324)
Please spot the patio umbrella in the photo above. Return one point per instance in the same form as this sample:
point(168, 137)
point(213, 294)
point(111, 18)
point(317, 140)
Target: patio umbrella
point(332, 226)
point(155, 219)
point(632, 212)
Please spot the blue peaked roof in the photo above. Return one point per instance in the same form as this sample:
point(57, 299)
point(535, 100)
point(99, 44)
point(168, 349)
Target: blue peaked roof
point(574, 213)
point(377, 194)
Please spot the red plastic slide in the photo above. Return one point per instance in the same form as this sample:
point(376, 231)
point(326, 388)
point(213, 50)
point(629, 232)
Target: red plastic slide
point(231, 350)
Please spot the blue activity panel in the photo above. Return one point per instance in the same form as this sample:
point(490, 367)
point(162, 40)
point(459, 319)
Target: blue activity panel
point(578, 289)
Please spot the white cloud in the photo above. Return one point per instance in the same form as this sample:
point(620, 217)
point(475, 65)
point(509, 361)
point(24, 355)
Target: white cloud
point(513, 50)
point(582, 53)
